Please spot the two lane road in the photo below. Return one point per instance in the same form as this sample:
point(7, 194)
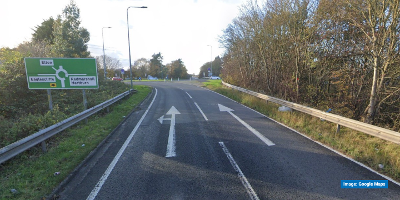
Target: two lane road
point(187, 142)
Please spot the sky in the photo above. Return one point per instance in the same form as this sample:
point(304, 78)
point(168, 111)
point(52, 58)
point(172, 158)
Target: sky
point(176, 28)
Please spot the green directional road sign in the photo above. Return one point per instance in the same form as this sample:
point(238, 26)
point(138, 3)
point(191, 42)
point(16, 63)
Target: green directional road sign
point(61, 73)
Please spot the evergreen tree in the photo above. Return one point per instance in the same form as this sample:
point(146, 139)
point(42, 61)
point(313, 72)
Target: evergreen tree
point(69, 38)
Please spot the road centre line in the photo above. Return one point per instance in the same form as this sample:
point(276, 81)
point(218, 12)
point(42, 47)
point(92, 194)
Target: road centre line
point(103, 178)
point(245, 182)
point(198, 107)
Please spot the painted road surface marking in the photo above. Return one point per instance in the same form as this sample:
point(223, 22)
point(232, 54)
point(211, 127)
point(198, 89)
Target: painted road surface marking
point(189, 95)
point(171, 147)
point(103, 178)
point(198, 107)
point(254, 131)
point(245, 182)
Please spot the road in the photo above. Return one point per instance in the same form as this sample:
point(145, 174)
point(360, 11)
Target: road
point(186, 142)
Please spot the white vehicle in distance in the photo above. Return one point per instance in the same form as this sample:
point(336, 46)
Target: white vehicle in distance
point(151, 78)
point(215, 78)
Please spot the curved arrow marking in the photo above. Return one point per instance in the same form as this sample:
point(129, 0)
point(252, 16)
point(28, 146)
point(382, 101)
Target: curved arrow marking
point(254, 131)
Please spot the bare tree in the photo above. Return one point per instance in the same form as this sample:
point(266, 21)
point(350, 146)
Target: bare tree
point(379, 21)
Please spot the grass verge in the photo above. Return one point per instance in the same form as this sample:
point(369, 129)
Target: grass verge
point(33, 174)
point(371, 151)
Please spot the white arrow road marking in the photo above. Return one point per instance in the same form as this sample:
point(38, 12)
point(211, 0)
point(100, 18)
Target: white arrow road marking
point(103, 178)
point(171, 148)
point(258, 134)
point(245, 182)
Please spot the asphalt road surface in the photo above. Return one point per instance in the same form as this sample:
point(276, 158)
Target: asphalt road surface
point(186, 142)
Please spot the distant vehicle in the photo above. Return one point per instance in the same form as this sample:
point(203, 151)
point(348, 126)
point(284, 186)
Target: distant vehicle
point(215, 78)
point(151, 78)
point(117, 79)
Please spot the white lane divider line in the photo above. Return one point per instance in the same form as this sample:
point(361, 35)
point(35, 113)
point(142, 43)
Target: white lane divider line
point(189, 95)
point(103, 178)
point(198, 107)
point(254, 131)
point(245, 182)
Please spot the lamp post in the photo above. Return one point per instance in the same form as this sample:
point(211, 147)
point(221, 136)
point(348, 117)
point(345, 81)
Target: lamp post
point(129, 42)
point(211, 59)
point(104, 55)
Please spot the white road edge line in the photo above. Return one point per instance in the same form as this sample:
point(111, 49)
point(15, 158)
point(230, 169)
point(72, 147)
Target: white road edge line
point(198, 107)
point(245, 182)
point(103, 178)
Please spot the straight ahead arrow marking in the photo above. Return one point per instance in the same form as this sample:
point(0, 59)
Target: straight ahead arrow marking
point(254, 131)
point(171, 149)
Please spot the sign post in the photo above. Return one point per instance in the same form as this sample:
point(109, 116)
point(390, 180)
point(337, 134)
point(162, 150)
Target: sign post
point(61, 73)
point(122, 73)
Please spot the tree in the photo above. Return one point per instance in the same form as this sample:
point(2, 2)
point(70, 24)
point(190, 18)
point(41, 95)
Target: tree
point(142, 67)
point(379, 21)
point(216, 67)
point(369, 33)
point(112, 64)
point(44, 32)
point(177, 69)
point(339, 54)
point(15, 97)
point(156, 65)
point(69, 38)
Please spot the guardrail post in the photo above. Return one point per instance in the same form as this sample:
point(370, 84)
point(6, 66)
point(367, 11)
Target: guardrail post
point(44, 146)
point(338, 128)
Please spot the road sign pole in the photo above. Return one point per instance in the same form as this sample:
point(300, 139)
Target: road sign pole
point(50, 99)
point(84, 102)
point(44, 146)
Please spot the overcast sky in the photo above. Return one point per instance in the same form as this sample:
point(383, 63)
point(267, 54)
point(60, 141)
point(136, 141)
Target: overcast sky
point(176, 28)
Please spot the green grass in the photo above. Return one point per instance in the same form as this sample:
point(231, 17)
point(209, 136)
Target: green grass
point(364, 148)
point(32, 172)
point(213, 84)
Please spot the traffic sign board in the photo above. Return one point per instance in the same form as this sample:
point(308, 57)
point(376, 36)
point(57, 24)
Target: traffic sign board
point(122, 71)
point(61, 73)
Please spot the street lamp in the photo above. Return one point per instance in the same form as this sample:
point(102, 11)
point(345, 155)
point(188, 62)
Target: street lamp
point(129, 42)
point(211, 59)
point(104, 55)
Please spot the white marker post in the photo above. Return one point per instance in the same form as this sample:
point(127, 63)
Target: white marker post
point(171, 149)
point(254, 131)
